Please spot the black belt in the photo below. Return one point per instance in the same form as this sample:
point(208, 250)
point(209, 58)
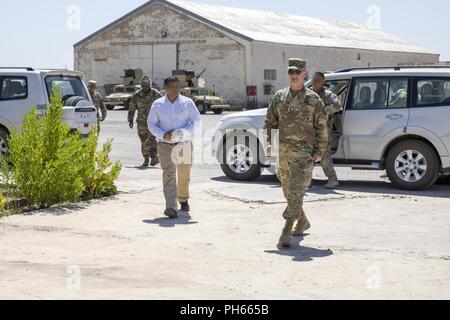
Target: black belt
point(170, 144)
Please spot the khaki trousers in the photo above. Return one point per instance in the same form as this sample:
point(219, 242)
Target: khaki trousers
point(176, 160)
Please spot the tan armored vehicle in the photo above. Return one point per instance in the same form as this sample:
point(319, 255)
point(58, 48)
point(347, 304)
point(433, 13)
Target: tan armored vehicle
point(194, 87)
point(123, 93)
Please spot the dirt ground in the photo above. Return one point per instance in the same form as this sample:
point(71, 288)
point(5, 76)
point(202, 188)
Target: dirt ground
point(368, 241)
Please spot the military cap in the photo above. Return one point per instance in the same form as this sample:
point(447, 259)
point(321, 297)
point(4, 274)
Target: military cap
point(297, 64)
point(92, 82)
point(146, 80)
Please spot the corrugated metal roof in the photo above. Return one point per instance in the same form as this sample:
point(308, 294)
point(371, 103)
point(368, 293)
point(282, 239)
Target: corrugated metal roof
point(298, 30)
point(284, 28)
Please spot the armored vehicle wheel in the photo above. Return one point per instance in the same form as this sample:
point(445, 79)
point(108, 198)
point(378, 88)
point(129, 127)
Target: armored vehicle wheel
point(202, 108)
point(127, 104)
point(218, 111)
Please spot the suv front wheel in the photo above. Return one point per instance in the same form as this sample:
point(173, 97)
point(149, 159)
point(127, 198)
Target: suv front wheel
point(412, 165)
point(240, 158)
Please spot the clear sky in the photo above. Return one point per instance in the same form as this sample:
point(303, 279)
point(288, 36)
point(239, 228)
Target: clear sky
point(42, 33)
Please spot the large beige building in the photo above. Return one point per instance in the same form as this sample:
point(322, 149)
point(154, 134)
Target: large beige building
point(239, 48)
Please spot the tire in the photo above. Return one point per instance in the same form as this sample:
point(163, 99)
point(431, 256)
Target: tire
point(248, 169)
point(218, 111)
point(412, 165)
point(202, 108)
point(3, 142)
point(109, 107)
point(444, 180)
point(74, 101)
point(126, 105)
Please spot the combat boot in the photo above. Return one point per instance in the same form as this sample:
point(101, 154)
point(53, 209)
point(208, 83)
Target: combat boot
point(146, 162)
point(303, 225)
point(155, 162)
point(332, 184)
point(286, 238)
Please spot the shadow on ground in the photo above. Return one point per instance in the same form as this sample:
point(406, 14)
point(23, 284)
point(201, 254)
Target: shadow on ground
point(172, 223)
point(373, 187)
point(300, 253)
point(142, 168)
point(382, 188)
point(67, 209)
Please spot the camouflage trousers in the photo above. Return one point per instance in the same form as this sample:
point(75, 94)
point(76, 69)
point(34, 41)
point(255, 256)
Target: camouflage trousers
point(327, 162)
point(295, 173)
point(149, 145)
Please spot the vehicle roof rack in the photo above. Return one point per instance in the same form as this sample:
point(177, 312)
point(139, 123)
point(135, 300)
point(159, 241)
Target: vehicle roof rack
point(26, 68)
point(396, 68)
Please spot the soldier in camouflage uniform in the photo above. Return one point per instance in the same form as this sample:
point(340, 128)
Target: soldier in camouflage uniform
point(97, 99)
point(301, 119)
point(142, 101)
point(333, 106)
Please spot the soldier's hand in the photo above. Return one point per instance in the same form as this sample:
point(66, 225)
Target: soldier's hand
point(317, 158)
point(131, 124)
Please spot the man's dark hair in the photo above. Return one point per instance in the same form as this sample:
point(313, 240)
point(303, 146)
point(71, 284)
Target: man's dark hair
point(321, 74)
point(171, 80)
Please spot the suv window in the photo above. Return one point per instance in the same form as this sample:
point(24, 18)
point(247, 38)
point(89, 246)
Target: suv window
point(379, 93)
point(339, 87)
point(13, 88)
point(398, 93)
point(433, 92)
point(70, 86)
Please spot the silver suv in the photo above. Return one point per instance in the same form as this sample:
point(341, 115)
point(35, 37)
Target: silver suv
point(24, 88)
point(395, 119)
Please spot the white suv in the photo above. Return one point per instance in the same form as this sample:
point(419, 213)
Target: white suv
point(395, 119)
point(24, 88)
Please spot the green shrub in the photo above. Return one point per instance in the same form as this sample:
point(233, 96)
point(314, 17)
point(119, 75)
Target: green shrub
point(99, 173)
point(50, 165)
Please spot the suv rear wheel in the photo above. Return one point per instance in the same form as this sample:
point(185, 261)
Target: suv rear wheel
point(240, 159)
point(3, 142)
point(412, 165)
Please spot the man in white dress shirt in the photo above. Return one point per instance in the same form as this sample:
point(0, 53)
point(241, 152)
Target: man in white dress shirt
point(172, 120)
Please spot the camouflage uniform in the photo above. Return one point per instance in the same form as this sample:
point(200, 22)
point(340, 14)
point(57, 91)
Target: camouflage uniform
point(142, 102)
point(301, 119)
point(333, 106)
point(100, 106)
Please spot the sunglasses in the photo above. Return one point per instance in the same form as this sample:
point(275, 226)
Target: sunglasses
point(296, 72)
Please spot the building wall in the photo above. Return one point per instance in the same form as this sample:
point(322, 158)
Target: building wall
point(136, 42)
point(276, 56)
